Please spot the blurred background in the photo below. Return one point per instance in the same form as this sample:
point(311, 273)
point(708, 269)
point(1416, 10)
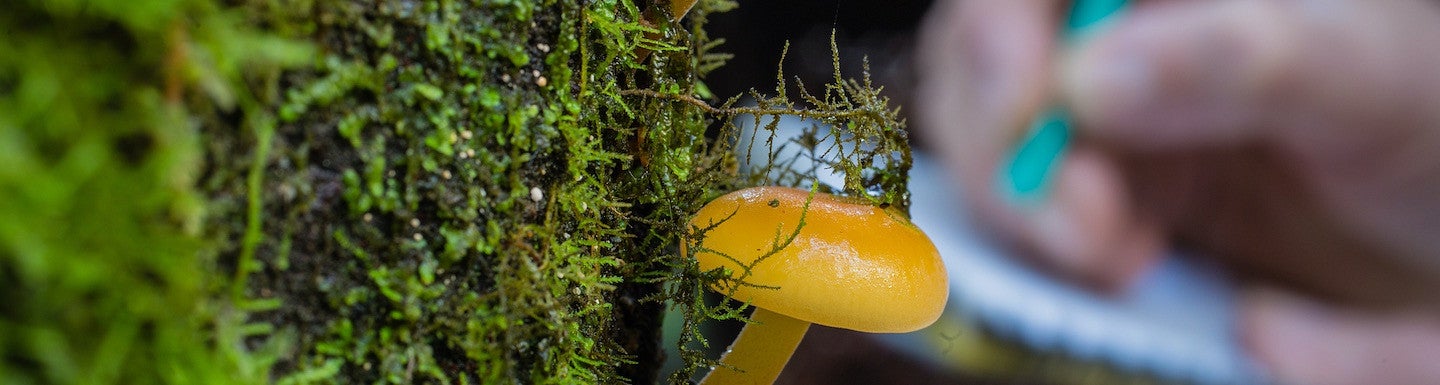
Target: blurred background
point(757, 31)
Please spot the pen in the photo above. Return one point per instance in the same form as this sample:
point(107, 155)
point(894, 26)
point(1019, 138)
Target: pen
point(1026, 178)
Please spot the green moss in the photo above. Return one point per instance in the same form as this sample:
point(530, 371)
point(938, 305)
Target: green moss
point(102, 248)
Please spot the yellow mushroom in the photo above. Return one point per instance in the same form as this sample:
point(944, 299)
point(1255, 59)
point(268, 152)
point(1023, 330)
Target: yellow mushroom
point(851, 265)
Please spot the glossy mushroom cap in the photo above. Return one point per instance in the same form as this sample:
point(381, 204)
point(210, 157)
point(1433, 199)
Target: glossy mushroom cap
point(852, 266)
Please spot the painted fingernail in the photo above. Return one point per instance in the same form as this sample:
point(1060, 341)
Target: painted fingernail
point(1088, 13)
point(1027, 176)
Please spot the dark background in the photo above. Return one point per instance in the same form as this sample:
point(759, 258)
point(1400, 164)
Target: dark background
point(756, 33)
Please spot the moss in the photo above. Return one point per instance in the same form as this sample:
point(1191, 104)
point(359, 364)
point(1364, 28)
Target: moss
point(102, 248)
point(325, 191)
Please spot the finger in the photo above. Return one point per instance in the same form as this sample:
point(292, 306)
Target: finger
point(1188, 73)
point(1306, 343)
point(1346, 90)
point(1089, 229)
point(982, 65)
point(986, 66)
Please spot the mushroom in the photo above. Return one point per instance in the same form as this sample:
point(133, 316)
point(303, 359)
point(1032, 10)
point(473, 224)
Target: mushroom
point(850, 265)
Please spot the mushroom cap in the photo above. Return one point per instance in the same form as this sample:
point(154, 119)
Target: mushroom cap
point(852, 265)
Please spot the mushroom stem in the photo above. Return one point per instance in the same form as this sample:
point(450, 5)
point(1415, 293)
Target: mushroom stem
point(761, 350)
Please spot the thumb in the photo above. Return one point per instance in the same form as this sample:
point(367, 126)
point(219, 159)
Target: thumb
point(1196, 73)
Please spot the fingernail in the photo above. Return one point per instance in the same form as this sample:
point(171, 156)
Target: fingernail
point(1026, 178)
point(1088, 13)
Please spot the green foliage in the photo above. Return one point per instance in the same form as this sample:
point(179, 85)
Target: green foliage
point(428, 170)
point(104, 264)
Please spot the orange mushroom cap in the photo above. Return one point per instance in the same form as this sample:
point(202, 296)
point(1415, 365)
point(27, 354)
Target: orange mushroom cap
point(852, 265)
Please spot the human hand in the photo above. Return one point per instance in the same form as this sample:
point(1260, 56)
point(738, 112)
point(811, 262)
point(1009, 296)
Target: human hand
point(1297, 140)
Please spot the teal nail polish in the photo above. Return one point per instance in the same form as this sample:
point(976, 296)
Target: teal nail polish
point(1037, 156)
point(1086, 13)
point(1028, 174)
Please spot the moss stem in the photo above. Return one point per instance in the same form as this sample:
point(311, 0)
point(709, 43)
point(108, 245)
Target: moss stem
point(760, 352)
point(836, 113)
